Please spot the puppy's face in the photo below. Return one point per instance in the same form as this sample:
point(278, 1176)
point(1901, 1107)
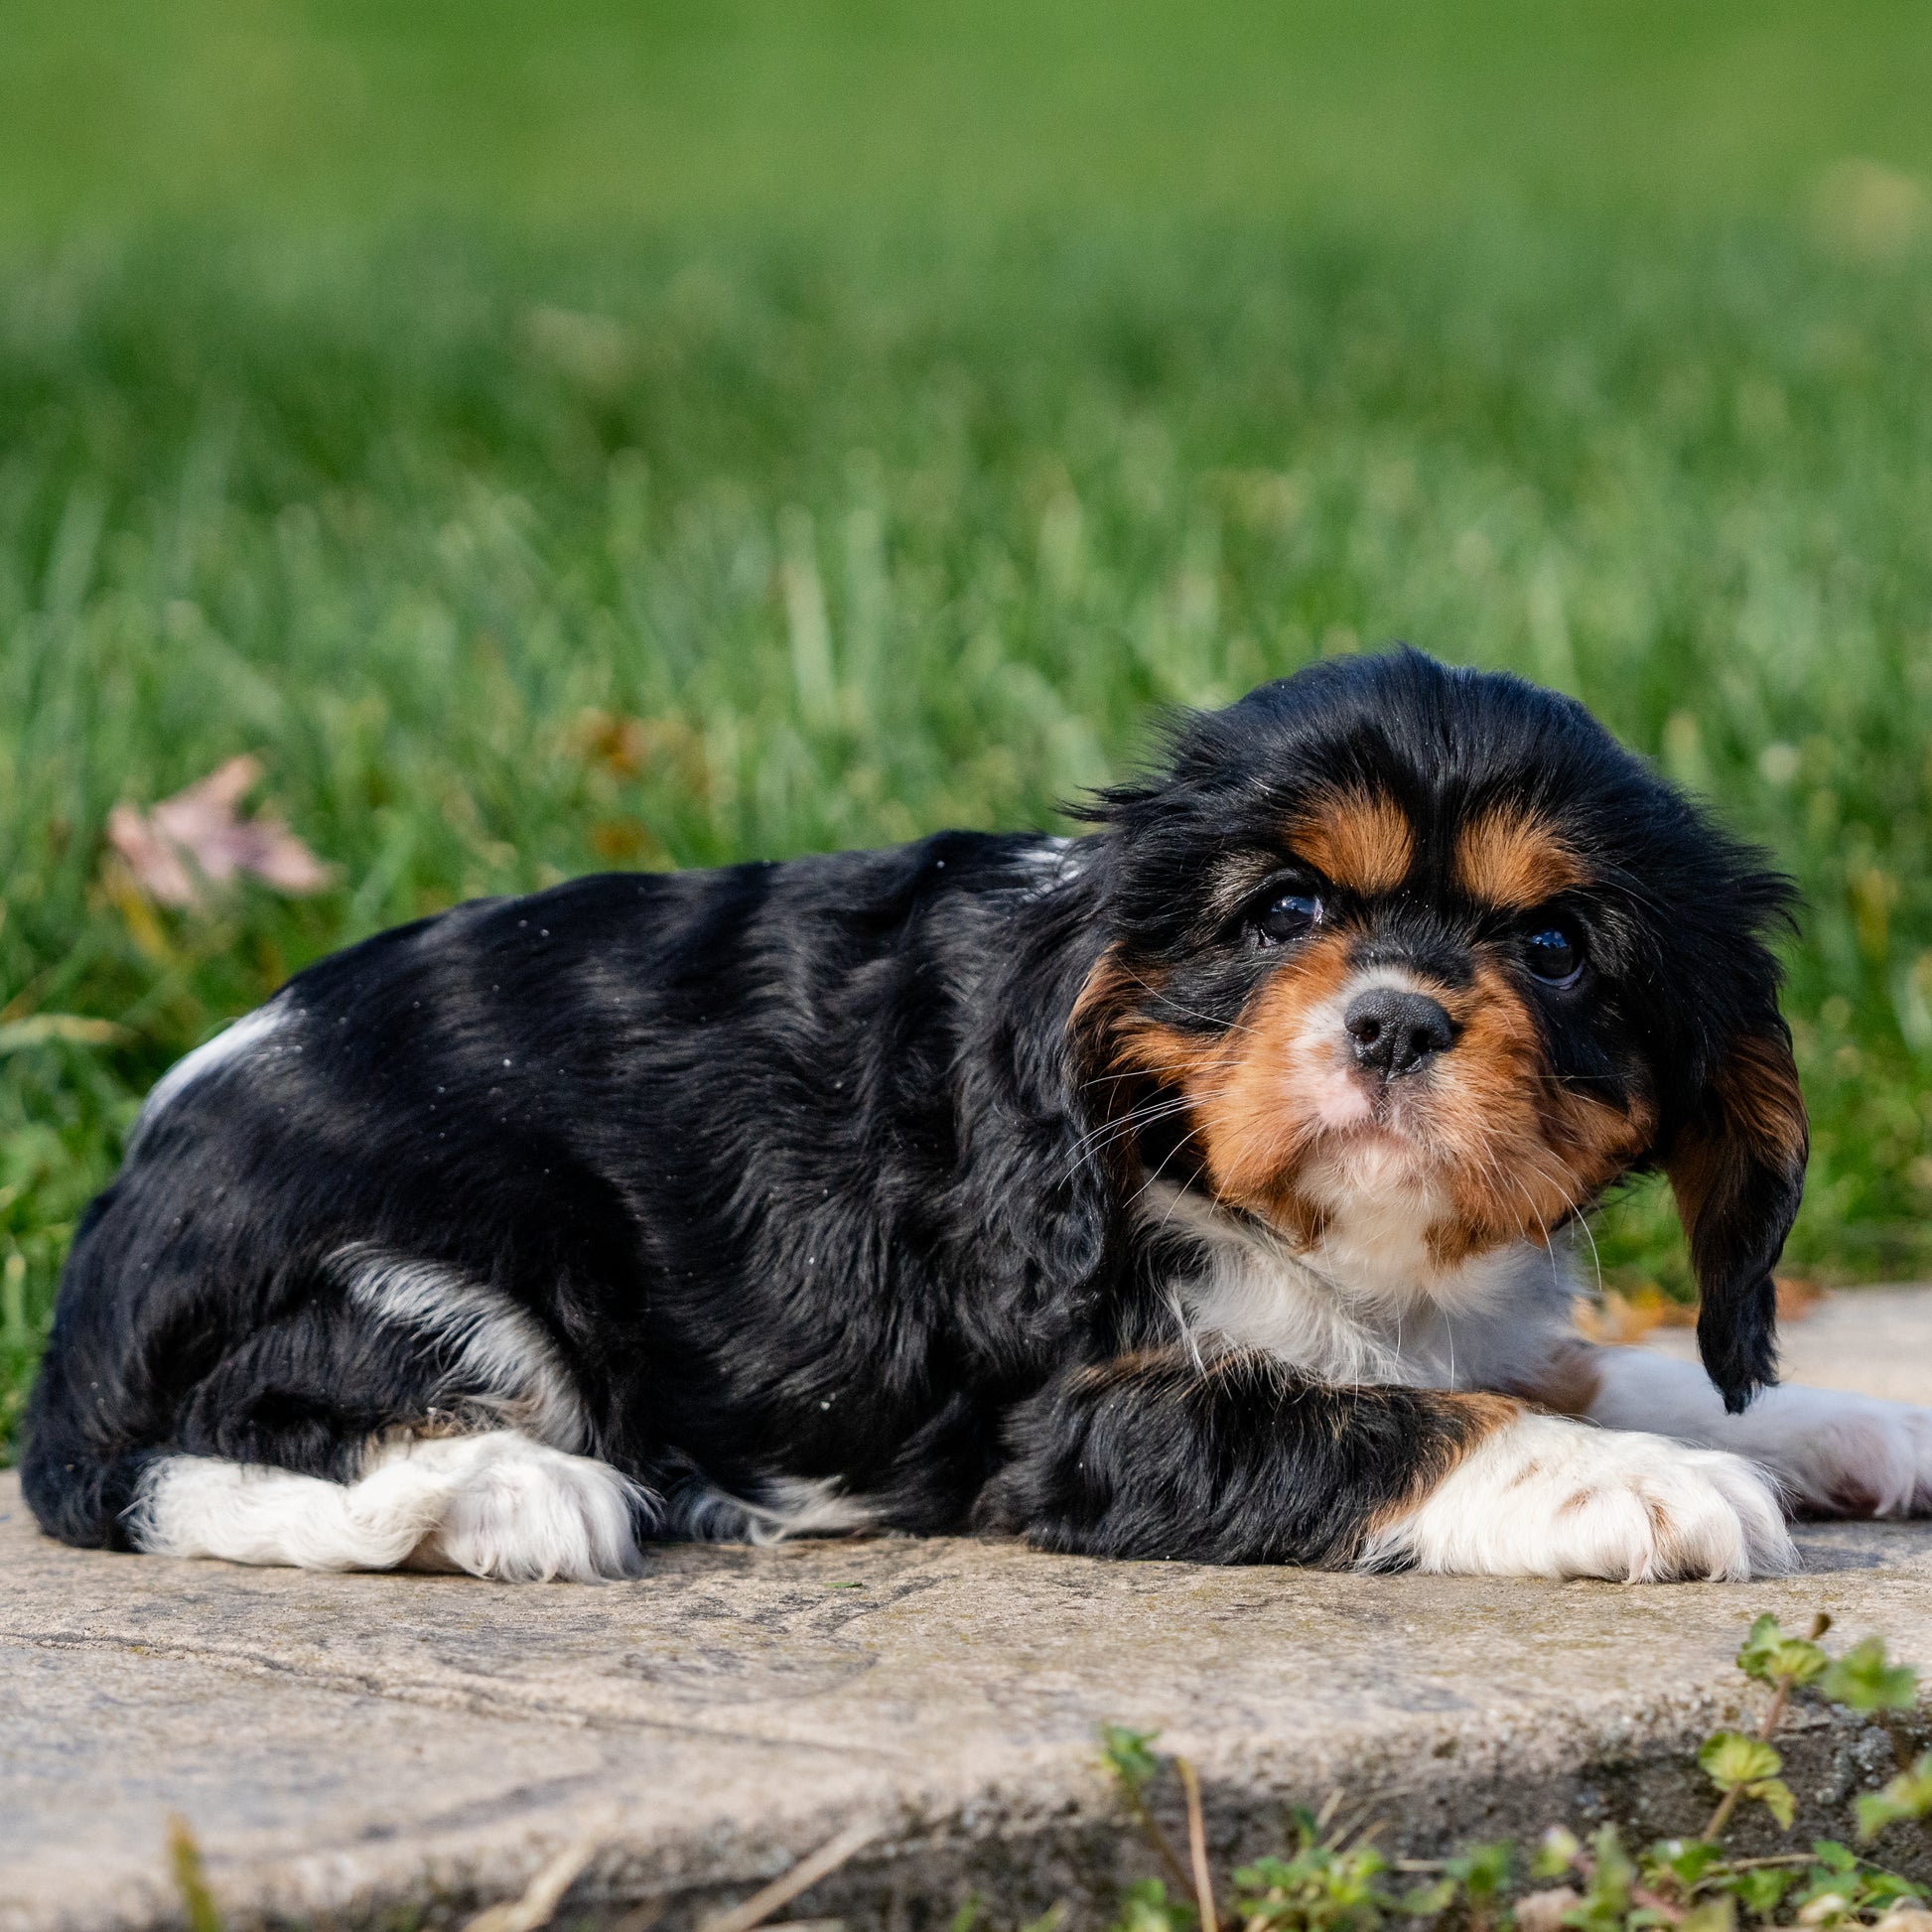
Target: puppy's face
point(1387, 1023)
point(1421, 960)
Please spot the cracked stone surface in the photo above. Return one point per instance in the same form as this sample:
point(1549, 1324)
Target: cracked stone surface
point(345, 1747)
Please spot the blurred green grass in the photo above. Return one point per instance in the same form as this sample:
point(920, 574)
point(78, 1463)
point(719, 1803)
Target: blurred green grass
point(669, 435)
point(582, 113)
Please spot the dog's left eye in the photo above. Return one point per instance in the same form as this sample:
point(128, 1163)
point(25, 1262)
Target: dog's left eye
point(1554, 955)
point(1289, 916)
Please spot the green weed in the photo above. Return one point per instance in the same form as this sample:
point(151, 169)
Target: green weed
point(1334, 1880)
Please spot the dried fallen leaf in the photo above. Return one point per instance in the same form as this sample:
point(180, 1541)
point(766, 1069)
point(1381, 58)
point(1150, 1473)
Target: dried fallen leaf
point(1796, 1299)
point(1543, 1912)
point(191, 845)
point(629, 842)
point(1905, 1915)
point(615, 742)
point(622, 746)
point(1619, 1319)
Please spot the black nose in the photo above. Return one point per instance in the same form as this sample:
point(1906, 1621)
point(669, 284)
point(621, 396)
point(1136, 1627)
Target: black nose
point(1395, 1033)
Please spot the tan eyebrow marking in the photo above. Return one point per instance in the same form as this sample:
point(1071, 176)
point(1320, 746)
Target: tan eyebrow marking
point(1357, 839)
point(1513, 859)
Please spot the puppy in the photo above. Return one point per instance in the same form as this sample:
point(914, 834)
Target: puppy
point(1186, 1189)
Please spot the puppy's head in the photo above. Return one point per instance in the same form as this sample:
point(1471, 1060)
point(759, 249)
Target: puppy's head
point(1394, 945)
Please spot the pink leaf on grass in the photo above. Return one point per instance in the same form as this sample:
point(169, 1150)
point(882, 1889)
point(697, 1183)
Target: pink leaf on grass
point(193, 841)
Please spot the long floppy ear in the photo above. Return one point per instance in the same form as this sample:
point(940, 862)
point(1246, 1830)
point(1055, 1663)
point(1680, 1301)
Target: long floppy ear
point(1737, 1170)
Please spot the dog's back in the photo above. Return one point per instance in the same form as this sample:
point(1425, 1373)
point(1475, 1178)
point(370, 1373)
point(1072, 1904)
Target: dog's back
point(585, 1164)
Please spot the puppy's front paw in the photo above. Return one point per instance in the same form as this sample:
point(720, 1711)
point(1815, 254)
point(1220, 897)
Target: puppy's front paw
point(1836, 1455)
point(1548, 1497)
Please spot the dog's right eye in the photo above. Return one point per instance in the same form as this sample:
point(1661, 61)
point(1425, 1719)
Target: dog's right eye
point(1289, 916)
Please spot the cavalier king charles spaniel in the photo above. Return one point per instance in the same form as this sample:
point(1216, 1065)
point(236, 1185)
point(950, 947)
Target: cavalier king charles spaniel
point(1193, 1188)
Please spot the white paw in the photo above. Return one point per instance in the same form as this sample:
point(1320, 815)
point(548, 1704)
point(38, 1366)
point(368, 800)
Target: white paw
point(508, 1507)
point(1545, 1496)
point(498, 1504)
point(1836, 1455)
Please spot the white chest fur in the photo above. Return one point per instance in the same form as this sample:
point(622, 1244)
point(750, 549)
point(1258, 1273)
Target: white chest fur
point(1367, 1305)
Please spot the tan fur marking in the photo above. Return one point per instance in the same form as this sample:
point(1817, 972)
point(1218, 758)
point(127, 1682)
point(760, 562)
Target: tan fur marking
point(1566, 1384)
point(1670, 1540)
point(1103, 994)
point(1250, 1141)
point(1512, 859)
point(1761, 1117)
point(1451, 1243)
point(1357, 840)
point(1116, 1041)
point(1757, 1086)
point(1480, 1417)
point(1525, 1149)
point(1095, 1376)
point(1850, 1499)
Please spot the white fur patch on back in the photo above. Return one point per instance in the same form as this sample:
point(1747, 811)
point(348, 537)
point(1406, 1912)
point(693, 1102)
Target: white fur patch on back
point(501, 1350)
point(1544, 1497)
point(495, 1505)
point(1049, 863)
point(788, 1506)
point(251, 1034)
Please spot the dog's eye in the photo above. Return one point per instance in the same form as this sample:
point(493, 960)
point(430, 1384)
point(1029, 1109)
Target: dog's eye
point(1288, 918)
point(1554, 955)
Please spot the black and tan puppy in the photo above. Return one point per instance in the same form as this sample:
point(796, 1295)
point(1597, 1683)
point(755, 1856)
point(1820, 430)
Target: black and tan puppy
point(1185, 1189)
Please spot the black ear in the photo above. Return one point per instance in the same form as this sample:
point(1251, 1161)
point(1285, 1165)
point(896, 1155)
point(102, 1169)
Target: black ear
point(1737, 1170)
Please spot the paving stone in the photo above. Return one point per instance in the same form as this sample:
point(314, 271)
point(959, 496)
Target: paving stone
point(346, 1748)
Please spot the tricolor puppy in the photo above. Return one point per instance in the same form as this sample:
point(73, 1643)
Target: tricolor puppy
point(1187, 1189)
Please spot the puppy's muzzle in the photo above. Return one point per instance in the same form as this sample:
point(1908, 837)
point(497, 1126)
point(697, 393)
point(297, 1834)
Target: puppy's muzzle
point(1396, 1032)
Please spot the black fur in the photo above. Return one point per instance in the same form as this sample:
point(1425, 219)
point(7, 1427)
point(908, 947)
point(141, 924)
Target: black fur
point(805, 1170)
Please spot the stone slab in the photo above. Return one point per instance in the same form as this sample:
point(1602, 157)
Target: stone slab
point(346, 1747)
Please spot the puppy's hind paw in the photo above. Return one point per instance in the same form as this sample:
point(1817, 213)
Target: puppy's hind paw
point(1839, 1454)
point(498, 1504)
point(516, 1509)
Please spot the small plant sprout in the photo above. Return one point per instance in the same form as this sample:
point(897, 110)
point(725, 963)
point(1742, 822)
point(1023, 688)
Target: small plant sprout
point(1332, 1880)
point(1774, 1658)
point(1747, 1767)
point(1146, 1907)
point(1556, 1852)
point(1050, 1920)
point(1134, 1767)
point(1743, 1767)
point(1908, 1795)
point(1327, 1884)
point(198, 1906)
point(1862, 1680)
point(1127, 1756)
point(1482, 1872)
